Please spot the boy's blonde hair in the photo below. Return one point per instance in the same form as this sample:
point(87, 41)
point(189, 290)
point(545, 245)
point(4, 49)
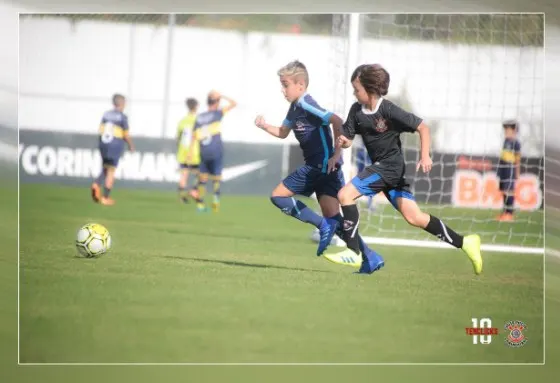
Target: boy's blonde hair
point(295, 69)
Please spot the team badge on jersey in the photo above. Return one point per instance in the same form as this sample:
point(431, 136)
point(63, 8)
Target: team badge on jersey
point(381, 125)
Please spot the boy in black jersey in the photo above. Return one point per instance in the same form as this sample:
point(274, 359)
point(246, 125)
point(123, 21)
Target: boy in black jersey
point(380, 123)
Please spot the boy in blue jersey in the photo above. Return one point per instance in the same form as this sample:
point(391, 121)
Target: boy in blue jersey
point(113, 134)
point(321, 173)
point(208, 132)
point(509, 168)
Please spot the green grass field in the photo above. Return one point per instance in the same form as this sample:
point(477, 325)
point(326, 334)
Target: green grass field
point(244, 286)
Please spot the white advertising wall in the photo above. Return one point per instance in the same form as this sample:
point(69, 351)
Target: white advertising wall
point(69, 71)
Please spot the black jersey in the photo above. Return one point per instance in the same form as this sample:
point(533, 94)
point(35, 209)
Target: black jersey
point(380, 130)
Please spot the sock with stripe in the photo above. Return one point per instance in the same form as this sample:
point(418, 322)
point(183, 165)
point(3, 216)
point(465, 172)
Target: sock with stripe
point(350, 225)
point(297, 209)
point(439, 229)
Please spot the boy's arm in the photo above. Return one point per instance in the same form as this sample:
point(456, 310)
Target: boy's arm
point(126, 135)
point(336, 123)
point(276, 131)
point(232, 104)
point(517, 160)
point(348, 129)
point(425, 160)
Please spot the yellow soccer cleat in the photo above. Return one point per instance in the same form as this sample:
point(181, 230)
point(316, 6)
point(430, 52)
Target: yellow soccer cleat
point(345, 257)
point(471, 246)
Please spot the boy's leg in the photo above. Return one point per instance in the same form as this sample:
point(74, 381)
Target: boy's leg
point(403, 201)
point(198, 192)
point(182, 189)
point(298, 182)
point(216, 173)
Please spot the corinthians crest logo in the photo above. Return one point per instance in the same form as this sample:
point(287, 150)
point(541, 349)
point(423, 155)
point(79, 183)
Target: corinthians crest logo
point(515, 337)
point(381, 125)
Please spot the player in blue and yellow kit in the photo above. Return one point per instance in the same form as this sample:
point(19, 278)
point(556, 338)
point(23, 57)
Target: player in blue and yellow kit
point(113, 134)
point(509, 168)
point(207, 133)
point(186, 149)
point(321, 174)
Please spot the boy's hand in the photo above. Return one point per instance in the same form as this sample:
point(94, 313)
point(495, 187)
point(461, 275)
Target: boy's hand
point(260, 122)
point(425, 164)
point(333, 161)
point(343, 142)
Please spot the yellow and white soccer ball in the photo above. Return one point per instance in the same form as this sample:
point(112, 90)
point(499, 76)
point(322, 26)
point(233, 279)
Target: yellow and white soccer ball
point(93, 240)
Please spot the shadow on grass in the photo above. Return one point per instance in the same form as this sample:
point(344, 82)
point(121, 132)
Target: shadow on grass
point(243, 264)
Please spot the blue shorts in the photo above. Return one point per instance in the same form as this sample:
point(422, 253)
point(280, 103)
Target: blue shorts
point(373, 180)
point(213, 166)
point(110, 154)
point(307, 180)
point(507, 179)
point(507, 185)
point(111, 161)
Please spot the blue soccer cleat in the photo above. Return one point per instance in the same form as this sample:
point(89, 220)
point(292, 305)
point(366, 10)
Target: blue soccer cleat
point(371, 262)
point(327, 231)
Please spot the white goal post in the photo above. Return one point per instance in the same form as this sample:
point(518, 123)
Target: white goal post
point(464, 75)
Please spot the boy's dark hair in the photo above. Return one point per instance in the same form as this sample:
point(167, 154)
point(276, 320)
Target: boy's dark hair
point(373, 77)
point(117, 97)
point(212, 101)
point(191, 103)
point(510, 124)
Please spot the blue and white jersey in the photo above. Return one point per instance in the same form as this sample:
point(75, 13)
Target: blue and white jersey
point(311, 126)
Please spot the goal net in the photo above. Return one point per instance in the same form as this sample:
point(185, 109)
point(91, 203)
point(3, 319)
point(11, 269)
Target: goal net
point(464, 75)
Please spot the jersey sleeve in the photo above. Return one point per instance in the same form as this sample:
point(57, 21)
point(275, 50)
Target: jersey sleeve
point(349, 127)
point(311, 106)
point(406, 121)
point(125, 122)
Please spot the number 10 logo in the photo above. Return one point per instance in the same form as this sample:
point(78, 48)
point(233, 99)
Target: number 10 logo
point(481, 331)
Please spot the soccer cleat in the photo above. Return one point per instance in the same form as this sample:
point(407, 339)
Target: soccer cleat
point(107, 201)
point(95, 192)
point(327, 231)
point(471, 246)
point(345, 257)
point(372, 263)
point(201, 208)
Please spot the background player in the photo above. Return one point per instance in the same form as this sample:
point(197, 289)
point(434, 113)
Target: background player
point(185, 145)
point(509, 168)
point(113, 133)
point(321, 173)
point(380, 123)
point(208, 132)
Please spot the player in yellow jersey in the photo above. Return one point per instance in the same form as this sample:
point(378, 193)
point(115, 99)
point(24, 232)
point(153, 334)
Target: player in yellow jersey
point(188, 152)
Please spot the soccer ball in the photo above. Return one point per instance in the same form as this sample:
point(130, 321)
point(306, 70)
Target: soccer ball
point(93, 240)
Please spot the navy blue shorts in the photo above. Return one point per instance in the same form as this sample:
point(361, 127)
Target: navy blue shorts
point(112, 161)
point(110, 154)
point(507, 185)
point(507, 179)
point(213, 166)
point(372, 180)
point(307, 180)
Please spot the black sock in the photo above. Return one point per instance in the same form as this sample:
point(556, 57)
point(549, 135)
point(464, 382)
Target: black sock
point(106, 192)
point(439, 229)
point(509, 204)
point(350, 227)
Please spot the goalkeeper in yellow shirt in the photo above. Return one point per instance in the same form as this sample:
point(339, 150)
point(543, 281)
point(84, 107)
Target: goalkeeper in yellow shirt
point(188, 152)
